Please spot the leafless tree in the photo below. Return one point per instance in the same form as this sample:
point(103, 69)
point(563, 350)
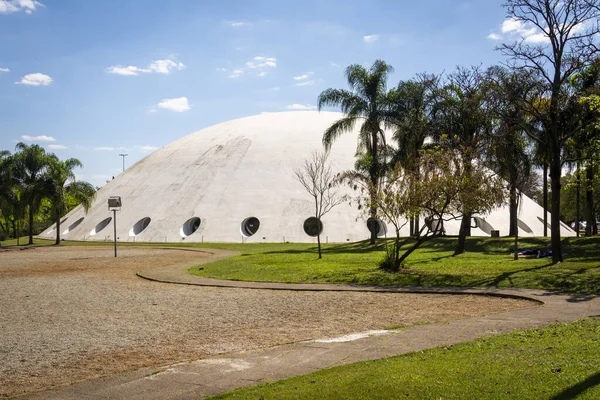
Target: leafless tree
point(559, 37)
point(316, 176)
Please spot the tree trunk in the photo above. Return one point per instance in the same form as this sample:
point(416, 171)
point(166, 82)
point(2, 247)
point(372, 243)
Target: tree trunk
point(545, 196)
point(374, 176)
point(397, 249)
point(578, 201)
point(319, 245)
point(411, 224)
point(516, 256)
point(416, 227)
point(555, 174)
point(465, 230)
point(589, 200)
point(512, 211)
point(419, 242)
point(30, 223)
point(57, 228)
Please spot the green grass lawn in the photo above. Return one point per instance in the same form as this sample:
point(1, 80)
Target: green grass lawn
point(486, 263)
point(555, 362)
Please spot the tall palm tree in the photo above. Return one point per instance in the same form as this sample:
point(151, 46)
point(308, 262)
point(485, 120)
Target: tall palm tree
point(412, 105)
point(31, 162)
point(6, 183)
point(462, 117)
point(60, 183)
point(508, 146)
point(366, 103)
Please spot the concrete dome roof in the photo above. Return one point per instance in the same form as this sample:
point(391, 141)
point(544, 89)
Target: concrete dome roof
point(224, 182)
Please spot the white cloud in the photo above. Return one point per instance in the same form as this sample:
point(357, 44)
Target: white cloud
point(303, 76)
point(262, 62)
point(537, 38)
point(125, 71)
point(159, 66)
point(305, 83)
point(57, 146)
point(4, 70)
point(12, 6)
point(36, 79)
point(370, 39)
point(520, 29)
point(259, 64)
point(148, 148)
point(165, 66)
point(303, 107)
point(236, 24)
point(177, 105)
point(333, 65)
point(41, 138)
point(237, 73)
point(107, 148)
point(221, 69)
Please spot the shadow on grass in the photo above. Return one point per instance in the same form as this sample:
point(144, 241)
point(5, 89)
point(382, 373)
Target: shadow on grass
point(575, 390)
point(507, 275)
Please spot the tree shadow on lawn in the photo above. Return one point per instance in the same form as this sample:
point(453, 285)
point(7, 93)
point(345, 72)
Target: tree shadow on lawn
point(577, 389)
point(507, 276)
point(362, 247)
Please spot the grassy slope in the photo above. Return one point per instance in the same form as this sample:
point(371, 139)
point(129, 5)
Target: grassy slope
point(487, 263)
point(559, 361)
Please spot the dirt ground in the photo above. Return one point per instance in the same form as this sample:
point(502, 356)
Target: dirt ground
point(75, 313)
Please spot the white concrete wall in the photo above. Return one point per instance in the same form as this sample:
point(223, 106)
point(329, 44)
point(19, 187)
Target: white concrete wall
point(239, 169)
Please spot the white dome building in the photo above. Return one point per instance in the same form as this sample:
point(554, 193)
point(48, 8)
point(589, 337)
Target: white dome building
point(234, 182)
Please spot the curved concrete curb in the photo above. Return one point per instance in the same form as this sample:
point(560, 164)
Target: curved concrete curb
point(177, 274)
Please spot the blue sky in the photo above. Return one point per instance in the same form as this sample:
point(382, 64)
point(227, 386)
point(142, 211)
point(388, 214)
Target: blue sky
point(95, 78)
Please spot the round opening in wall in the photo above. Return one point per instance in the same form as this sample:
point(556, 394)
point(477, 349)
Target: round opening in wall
point(376, 225)
point(313, 227)
point(542, 221)
point(250, 226)
point(190, 226)
point(73, 226)
point(101, 225)
point(522, 225)
point(139, 226)
point(483, 225)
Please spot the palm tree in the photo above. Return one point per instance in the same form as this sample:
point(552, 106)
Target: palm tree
point(366, 103)
point(412, 106)
point(31, 162)
point(462, 117)
point(6, 183)
point(61, 183)
point(508, 147)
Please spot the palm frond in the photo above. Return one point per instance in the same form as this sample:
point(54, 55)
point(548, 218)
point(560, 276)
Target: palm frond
point(337, 129)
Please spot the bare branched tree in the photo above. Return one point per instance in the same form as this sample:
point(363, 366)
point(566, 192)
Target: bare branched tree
point(558, 39)
point(320, 182)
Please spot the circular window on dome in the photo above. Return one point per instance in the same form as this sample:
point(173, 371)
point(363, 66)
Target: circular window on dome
point(376, 225)
point(250, 226)
point(73, 226)
point(101, 225)
point(522, 225)
point(139, 226)
point(190, 226)
point(313, 227)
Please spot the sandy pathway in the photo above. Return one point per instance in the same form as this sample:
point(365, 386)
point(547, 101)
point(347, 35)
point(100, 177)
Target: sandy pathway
point(74, 313)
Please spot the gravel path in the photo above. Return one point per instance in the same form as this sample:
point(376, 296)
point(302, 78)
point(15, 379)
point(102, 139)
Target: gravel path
point(74, 313)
